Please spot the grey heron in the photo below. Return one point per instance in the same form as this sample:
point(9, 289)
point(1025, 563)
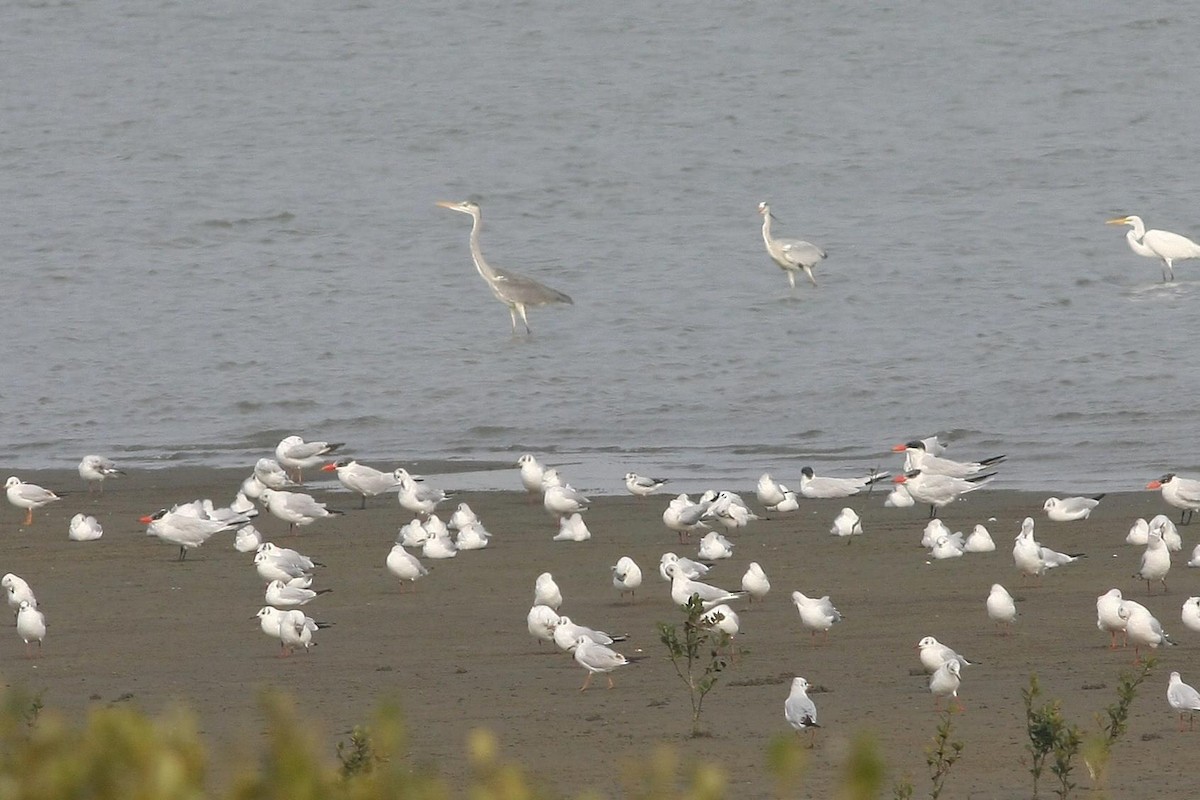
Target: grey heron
point(1166, 246)
point(792, 255)
point(514, 290)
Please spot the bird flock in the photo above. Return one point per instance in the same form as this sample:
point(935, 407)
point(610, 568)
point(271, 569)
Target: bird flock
point(713, 523)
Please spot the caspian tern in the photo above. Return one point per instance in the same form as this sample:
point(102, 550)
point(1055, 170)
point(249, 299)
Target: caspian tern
point(916, 456)
point(362, 480)
point(1182, 493)
point(940, 490)
point(816, 487)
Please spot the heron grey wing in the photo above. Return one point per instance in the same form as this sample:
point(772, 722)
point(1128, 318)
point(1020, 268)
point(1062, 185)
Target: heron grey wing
point(526, 290)
point(801, 252)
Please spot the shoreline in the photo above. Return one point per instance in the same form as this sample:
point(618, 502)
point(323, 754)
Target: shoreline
point(130, 623)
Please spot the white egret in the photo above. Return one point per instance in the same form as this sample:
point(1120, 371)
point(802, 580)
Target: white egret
point(1165, 246)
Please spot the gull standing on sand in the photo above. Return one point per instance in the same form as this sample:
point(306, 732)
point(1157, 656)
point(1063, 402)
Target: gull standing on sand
point(270, 569)
point(1190, 614)
point(1163, 526)
point(597, 658)
point(18, 591)
point(1109, 617)
point(296, 630)
point(293, 453)
point(683, 588)
point(792, 255)
point(1142, 628)
point(815, 487)
point(683, 516)
point(626, 576)
point(1070, 509)
point(918, 457)
point(31, 626)
point(95, 470)
point(1181, 493)
point(1184, 699)
point(1156, 562)
point(714, 547)
point(1034, 560)
point(404, 565)
point(729, 510)
point(531, 473)
point(568, 633)
point(295, 508)
point(561, 499)
point(945, 682)
point(939, 491)
point(418, 499)
point(1001, 608)
point(641, 486)
point(979, 541)
point(846, 523)
point(689, 568)
point(288, 556)
point(1139, 533)
point(800, 711)
point(546, 591)
point(362, 480)
point(725, 620)
point(934, 654)
point(28, 496)
point(755, 582)
point(542, 621)
point(768, 492)
point(280, 595)
point(84, 529)
point(816, 613)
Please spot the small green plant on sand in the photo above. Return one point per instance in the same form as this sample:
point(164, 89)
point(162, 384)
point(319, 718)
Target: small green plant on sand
point(358, 755)
point(940, 756)
point(1112, 723)
point(695, 652)
point(1050, 736)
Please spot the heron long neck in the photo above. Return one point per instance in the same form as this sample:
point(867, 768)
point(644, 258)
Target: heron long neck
point(767, 226)
point(485, 271)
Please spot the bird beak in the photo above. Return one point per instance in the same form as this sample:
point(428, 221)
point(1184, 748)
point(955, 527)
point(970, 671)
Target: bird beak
point(445, 204)
point(899, 448)
point(899, 479)
point(1154, 485)
point(330, 467)
point(146, 520)
point(1117, 221)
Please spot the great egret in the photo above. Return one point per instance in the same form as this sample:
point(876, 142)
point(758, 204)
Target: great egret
point(514, 290)
point(1166, 246)
point(792, 255)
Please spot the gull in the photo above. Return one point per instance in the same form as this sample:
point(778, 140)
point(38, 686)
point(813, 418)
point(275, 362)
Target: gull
point(1109, 618)
point(846, 523)
point(945, 682)
point(1190, 613)
point(1166, 246)
point(755, 582)
point(561, 499)
point(597, 658)
point(979, 541)
point(531, 473)
point(293, 453)
point(279, 594)
point(31, 626)
point(1194, 561)
point(641, 486)
point(404, 565)
point(288, 556)
point(435, 527)
point(934, 654)
point(252, 487)
point(271, 475)
point(1139, 532)
point(296, 630)
point(688, 567)
point(362, 480)
point(816, 487)
point(472, 536)
point(95, 470)
point(948, 546)
point(413, 534)
point(1032, 558)
point(1142, 628)
point(934, 530)
point(18, 591)
point(28, 496)
point(1184, 699)
point(188, 527)
point(792, 255)
point(546, 591)
point(768, 492)
point(683, 516)
point(84, 529)
point(439, 547)
point(572, 528)
point(714, 547)
point(1001, 608)
point(1156, 562)
point(1163, 526)
point(626, 576)
point(940, 490)
point(683, 588)
point(295, 508)
point(271, 570)
point(463, 517)
point(899, 497)
point(725, 620)
point(918, 457)
point(817, 614)
point(1071, 508)
point(790, 502)
point(567, 634)
point(541, 621)
point(418, 499)
point(247, 539)
point(729, 510)
point(1181, 493)
point(800, 711)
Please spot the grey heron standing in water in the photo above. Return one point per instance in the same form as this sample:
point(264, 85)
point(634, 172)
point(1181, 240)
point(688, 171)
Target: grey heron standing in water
point(792, 255)
point(514, 290)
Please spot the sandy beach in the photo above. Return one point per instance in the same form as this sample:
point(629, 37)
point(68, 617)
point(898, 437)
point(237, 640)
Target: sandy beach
point(128, 622)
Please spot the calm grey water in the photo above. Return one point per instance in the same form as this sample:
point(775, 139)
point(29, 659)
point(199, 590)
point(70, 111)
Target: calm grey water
point(219, 228)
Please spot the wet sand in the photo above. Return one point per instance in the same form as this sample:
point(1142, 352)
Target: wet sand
point(130, 623)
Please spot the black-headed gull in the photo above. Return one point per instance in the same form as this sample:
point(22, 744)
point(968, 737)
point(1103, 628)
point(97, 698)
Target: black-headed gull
point(1163, 526)
point(1109, 618)
point(899, 497)
point(31, 626)
point(18, 591)
point(626, 576)
point(714, 547)
point(846, 523)
point(286, 555)
point(269, 473)
point(918, 457)
point(415, 496)
point(295, 508)
point(1142, 628)
point(281, 595)
point(755, 582)
point(689, 568)
point(568, 633)
point(939, 491)
point(944, 682)
point(96, 469)
point(1001, 608)
point(730, 511)
point(1181, 493)
point(404, 565)
point(361, 479)
point(28, 496)
point(541, 621)
point(683, 588)
point(934, 654)
point(724, 619)
point(951, 546)
point(296, 630)
point(818, 487)
point(768, 492)
point(546, 591)
point(1190, 614)
point(684, 516)
point(84, 528)
point(561, 499)
point(472, 536)
point(439, 546)
point(247, 539)
point(1069, 509)
point(597, 658)
point(1139, 532)
point(531, 473)
point(1184, 699)
point(463, 517)
point(294, 453)
point(1034, 560)
point(816, 613)
point(800, 711)
point(572, 528)
point(641, 486)
point(1156, 562)
point(979, 541)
